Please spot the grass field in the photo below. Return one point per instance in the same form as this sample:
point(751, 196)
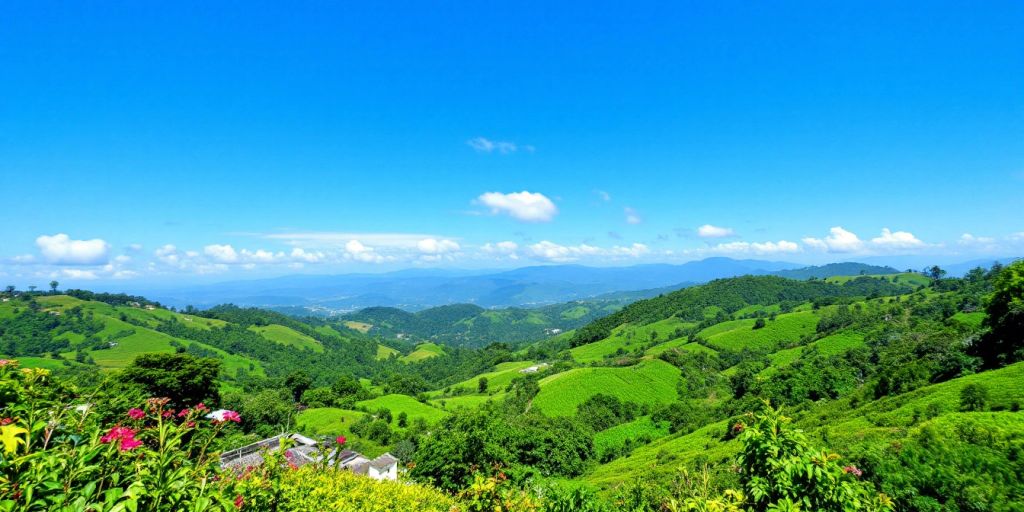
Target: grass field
point(828, 346)
point(908, 278)
point(362, 327)
point(739, 334)
point(641, 430)
point(423, 351)
point(384, 352)
point(331, 422)
point(287, 336)
point(497, 379)
point(970, 319)
point(680, 344)
point(628, 337)
point(650, 382)
point(398, 404)
point(465, 401)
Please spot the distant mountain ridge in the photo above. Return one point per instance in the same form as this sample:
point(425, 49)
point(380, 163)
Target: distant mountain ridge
point(412, 291)
point(534, 286)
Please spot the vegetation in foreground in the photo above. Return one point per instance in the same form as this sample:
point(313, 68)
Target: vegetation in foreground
point(918, 380)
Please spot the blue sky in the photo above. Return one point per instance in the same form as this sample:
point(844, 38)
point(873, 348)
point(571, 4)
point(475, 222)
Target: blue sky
point(198, 142)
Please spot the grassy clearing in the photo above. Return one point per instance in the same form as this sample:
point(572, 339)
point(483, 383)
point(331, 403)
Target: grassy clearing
point(423, 351)
point(908, 278)
point(835, 344)
point(628, 338)
point(650, 382)
point(739, 334)
point(465, 401)
point(972, 320)
point(398, 404)
point(362, 327)
point(497, 379)
point(641, 430)
point(678, 344)
point(384, 352)
point(287, 336)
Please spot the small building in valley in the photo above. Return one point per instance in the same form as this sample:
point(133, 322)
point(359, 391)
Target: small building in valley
point(305, 450)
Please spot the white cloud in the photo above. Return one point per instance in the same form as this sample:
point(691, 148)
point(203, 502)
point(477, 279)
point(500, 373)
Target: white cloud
point(303, 256)
point(23, 259)
point(485, 145)
point(506, 249)
point(551, 251)
point(355, 250)
point(221, 253)
point(524, 206)
point(61, 249)
point(435, 246)
point(780, 247)
point(709, 231)
point(633, 251)
point(134, 247)
point(74, 273)
point(325, 239)
point(632, 217)
point(896, 240)
point(839, 240)
point(605, 196)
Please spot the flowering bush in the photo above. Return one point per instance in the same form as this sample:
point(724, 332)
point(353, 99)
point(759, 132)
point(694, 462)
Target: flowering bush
point(57, 457)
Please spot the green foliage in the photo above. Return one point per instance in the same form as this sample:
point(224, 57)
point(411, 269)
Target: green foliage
point(782, 471)
point(185, 379)
point(1004, 343)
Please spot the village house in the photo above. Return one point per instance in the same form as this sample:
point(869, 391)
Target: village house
point(305, 450)
point(534, 369)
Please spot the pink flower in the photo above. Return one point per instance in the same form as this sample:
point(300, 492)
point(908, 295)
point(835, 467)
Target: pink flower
point(201, 407)
point(232, 416)
point(125, 437)
point(853, 469)
point(136, 414)
point(340, 440)
point(6, 421)
point(190, 424)
point(239, 501)
point(168, 414)
point(183, 413)
point(129, 444)
point(5, 362)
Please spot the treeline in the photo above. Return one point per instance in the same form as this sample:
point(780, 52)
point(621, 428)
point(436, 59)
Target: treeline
point(731, 295)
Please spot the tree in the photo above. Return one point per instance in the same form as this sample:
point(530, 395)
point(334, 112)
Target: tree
point(973, 397)
point(935, 272)
point(32, 288)
point(759, 323)
point(1004, 342)
point(481, 385)
point(185, 379)
point(53, 286)
point(298, 381)
point(10, 289)
point(403, 419)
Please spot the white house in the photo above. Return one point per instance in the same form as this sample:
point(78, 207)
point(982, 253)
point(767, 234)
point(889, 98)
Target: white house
point(534, 369)
point(305, 450)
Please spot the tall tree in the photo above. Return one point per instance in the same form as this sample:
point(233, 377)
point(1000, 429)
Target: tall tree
point(1004, 342)
point(53, 286)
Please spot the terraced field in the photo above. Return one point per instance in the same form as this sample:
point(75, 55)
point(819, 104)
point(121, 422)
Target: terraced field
point(627, 338)
point(398, 404)
point(423, 351)
point(287, 336)
point(828, 346)
point(497, 379)
point(649, 382)
point(640, 430)
point(739, 334)
point(384, 352)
